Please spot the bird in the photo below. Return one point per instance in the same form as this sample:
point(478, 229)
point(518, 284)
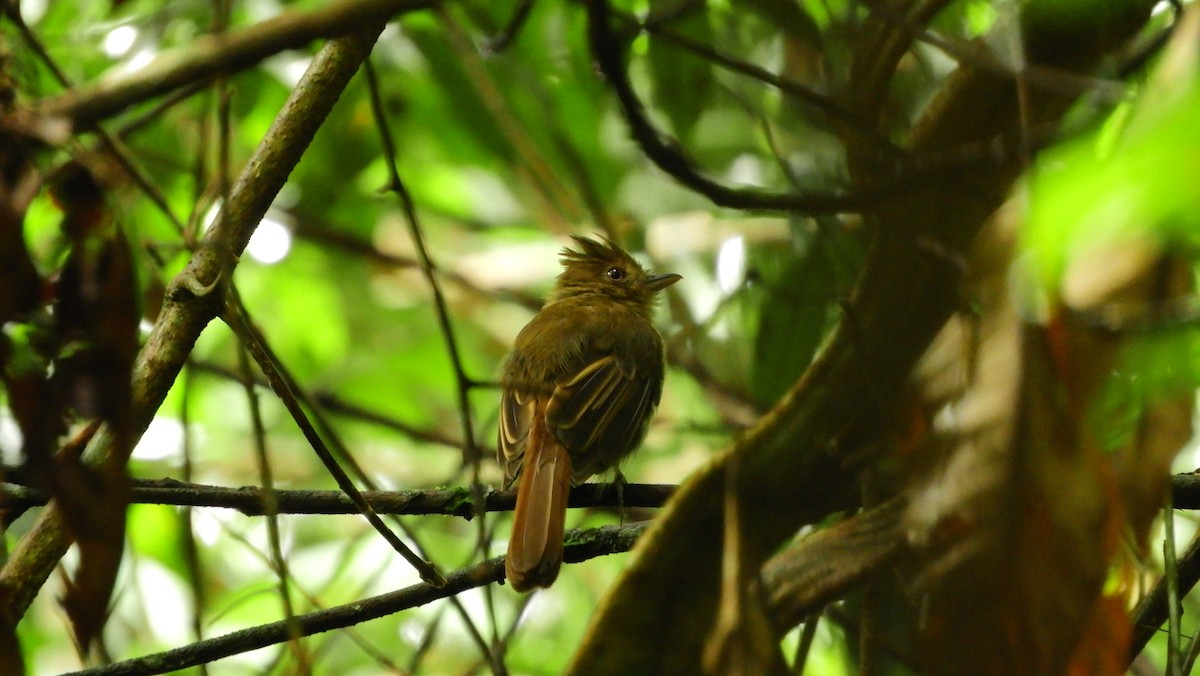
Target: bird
point(584, 377)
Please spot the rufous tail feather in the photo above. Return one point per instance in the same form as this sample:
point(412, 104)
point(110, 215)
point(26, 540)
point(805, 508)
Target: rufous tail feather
point(535, 551)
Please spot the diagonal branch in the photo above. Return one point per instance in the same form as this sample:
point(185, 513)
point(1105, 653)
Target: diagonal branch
point(281, 382)
point(214, 55)
point(581, 546)
point(188, 307)
point(796, 465)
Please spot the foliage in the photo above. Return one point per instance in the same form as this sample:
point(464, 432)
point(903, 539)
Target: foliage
point(783, 156)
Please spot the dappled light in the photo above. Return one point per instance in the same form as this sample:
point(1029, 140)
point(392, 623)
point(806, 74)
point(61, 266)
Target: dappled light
point(860, 337)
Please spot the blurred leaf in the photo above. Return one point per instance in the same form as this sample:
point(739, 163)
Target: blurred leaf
point(802, 45)
point(454, 97)
point(1143, 188)
point(794, 318)
point(683, 81)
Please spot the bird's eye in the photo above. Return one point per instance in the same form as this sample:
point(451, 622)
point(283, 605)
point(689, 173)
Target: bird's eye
point(615, 274)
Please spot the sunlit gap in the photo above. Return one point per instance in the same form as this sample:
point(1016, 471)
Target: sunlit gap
point(731, 264)
point(271, 241)
point(119, 40)
point(163, 440)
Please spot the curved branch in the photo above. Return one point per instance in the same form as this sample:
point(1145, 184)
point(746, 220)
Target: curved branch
point(665, 151)
point(797, 464)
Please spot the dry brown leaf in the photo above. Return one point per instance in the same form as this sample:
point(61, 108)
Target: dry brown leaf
point(96, 318)
point(1023, 512)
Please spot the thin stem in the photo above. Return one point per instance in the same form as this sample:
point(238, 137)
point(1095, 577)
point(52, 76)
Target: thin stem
point(191, 553)
point(665, 151)
point(110, 142)
point(804, 646)
point(270, 510)
point(236, 318)
point(1171, 575)
point(583, 545)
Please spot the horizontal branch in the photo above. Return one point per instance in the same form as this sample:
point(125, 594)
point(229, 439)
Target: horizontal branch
point(249, 499)
point(213, 55)
point(581, 546)
point(1185, 491)
point(192, 298)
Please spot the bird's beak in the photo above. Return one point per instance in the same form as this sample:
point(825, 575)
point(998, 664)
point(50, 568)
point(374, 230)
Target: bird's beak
point(660, 282)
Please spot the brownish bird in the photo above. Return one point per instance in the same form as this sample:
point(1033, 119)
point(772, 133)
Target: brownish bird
point(583, 379)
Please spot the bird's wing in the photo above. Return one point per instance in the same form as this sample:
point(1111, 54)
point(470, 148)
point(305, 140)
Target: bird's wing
point(600, 414)
point(516, 418)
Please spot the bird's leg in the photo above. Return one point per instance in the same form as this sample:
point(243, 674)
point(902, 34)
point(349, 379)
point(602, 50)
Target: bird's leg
point(619, 483)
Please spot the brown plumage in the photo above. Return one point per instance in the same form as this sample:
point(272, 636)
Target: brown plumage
point(583, 379)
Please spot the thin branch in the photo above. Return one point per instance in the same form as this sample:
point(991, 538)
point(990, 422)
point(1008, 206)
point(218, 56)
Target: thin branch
point(835, 113)
point(512, 29)
point(396, 186)
point(271, 511)
point(1038, 76)
point(189, 303)
point(804, 646)
point(191, 553)
point(212, 55)
point(666, 152)
point(364, 583)
point(542, 175)
point(581, 546)
point(130, 126)
point(1171, 577)
point(307, 229)
point(333, 403)
point(249, 499)
point(1152, 611)
point(472, 454)
point(285, 388)
point(110, 142)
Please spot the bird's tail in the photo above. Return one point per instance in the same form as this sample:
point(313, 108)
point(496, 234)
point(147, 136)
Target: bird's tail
point(535, 550)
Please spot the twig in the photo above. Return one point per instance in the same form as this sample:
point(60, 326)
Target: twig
point(581, 546)
point(665, 152)
point(213, 55)
point(248, 499)
point(185, 312)
point(1171, 577)
point(543, 176)
point(396, 186)
point(804, 645)
point(191, 553)
point(271, 511)
point(1152, 611)
point(512, 29)
point(333, 403)
point(237, 320)
point(464, 384)
point(110, 142)
point(364, 583)
point(837, 114)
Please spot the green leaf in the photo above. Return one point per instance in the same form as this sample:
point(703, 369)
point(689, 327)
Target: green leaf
point(683, 81)
point(793, 321)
